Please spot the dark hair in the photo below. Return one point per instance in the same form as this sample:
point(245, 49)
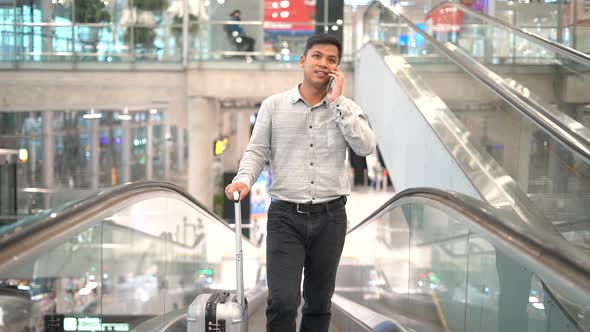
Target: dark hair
point(237, 11)
point(323, 38)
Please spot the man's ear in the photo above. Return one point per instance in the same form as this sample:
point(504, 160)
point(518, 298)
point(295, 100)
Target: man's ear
point(301, 61)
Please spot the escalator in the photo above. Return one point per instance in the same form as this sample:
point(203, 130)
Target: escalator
point(118, 259)
point(132, 257)
point(503, 132)
point(557, 74)
point(497, 127)
point(443, 261)
point(428, 260)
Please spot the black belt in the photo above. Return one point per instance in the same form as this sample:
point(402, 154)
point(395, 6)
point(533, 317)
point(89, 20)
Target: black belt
point(313, 208)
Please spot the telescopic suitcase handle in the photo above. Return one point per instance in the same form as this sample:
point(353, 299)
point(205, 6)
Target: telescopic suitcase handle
point(239, 261)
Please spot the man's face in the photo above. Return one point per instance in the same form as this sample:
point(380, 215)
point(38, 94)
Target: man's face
point(317, 63)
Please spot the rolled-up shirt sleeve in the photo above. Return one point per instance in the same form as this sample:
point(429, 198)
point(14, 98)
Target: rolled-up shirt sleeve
point(258, 149)
point(354, 125)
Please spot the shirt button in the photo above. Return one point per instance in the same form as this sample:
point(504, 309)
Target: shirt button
point(311, 145)
point(311, 164)
point(313, 199)
point(337, 105)
point(310, 127)
point(311, 182)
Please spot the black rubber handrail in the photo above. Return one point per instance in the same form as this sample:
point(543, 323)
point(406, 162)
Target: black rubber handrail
point(548, 255)
point(20, 239)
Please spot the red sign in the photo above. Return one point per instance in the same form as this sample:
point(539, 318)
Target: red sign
point(446, 19)
point(289, 15)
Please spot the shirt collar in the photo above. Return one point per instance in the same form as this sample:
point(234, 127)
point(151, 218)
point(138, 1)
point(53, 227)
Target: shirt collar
point(296, 96)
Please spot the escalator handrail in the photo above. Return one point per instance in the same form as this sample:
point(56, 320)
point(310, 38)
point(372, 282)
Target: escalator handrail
point(556, 47)
point(554, 122)
point(548, 255)
point(577, 141)
point(24, 237)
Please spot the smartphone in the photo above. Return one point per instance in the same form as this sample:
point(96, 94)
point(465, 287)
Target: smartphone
point(331, 82)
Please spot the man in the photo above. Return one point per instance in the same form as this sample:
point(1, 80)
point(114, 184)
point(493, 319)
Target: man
point(237, 34)
point(304, 133)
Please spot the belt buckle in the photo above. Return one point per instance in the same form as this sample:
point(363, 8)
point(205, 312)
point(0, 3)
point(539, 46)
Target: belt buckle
point(299, 211)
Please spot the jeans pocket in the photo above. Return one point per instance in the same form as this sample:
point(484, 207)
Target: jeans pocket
point(338, 216)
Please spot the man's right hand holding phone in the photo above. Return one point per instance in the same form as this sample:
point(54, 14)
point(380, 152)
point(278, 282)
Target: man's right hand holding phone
point(337, 83)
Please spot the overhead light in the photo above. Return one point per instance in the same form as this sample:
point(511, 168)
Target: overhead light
point(284, 4)
point(125, 116)
point(335, 28)
point(92, 115)
point(153, 111)
point(284, 14)
point(339, 21)
point(275, 5)
point(85, 291)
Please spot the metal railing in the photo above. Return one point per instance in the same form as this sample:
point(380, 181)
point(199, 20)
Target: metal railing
point(556, 47)
point(205, 41)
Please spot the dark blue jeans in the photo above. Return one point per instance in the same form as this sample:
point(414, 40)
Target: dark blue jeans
point(311, 242)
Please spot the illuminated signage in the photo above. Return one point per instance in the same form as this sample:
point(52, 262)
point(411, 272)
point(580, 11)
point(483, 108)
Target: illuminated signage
point(92, 324)
point(220, 146)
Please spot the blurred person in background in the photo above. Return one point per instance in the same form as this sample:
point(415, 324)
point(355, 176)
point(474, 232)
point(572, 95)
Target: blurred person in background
point(237, 35)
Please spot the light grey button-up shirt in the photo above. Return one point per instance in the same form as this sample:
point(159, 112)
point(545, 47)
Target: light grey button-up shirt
point(306, 146)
